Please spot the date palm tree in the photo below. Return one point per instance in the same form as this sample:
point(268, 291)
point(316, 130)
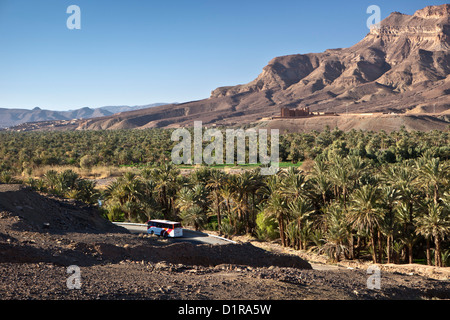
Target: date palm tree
point(299, 210)
point(128, 192)
point(228, 203)
point(87, 191)
point(407, 236)
point(389, 200)
point(405, 179)
point(194, 216)
point(51, 179)
point(365, 214)
point(215, 182)
point(434, 174)
point(226, 194)
point(244, 186)
point(65, 182)
point(277, 207)
point(166, 184)
point(357, 167)
point(337, 231)
point(130, 209)
point(435, 224)
point(321, 183)
point(340, 178)
point(189, 197)
point(294, 184)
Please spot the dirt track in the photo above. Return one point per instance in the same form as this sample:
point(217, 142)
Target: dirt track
point(114, 264)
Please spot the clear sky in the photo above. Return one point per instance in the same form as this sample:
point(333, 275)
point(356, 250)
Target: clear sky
point(138, 52)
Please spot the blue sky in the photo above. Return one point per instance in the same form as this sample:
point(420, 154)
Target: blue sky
point(137, 52)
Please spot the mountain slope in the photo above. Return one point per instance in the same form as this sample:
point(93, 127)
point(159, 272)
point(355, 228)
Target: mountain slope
point(402, 66)
point(405, 54)
point(15, 117)
point(118, 109)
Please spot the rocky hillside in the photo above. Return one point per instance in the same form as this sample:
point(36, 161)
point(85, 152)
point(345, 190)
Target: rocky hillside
point(401, 66)
point(385, 71)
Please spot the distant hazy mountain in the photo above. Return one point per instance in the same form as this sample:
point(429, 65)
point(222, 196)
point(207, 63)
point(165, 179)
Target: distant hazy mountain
point(14, 117)
point(117, 109)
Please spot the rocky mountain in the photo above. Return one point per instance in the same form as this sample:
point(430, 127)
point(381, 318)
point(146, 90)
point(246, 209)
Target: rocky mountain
point(15, 117)
point(405, 54)
point(402, 66)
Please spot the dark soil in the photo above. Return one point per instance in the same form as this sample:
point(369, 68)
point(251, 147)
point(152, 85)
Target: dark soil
point(41, 236)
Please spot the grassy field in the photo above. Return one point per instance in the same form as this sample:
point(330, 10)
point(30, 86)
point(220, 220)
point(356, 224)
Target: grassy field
point(103, 172)
point(241, 166)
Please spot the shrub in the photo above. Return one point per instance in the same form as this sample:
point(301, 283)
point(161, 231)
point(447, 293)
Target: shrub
point(87, 162)
point(266, 227)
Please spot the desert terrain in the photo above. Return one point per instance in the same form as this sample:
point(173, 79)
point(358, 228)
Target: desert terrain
point(364, 122)
point(41, 236)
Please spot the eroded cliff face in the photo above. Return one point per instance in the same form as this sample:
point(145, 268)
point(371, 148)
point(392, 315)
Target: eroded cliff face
point(403, 50)
point(416, 47)
point(434, 12)
point(423, 30)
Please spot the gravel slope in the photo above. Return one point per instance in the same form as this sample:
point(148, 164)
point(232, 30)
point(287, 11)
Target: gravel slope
point(115, 264)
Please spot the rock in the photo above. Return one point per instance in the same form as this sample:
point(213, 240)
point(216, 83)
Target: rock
point(162, 265)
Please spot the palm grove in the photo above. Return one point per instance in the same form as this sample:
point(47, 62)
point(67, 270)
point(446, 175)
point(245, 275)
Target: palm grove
point(357, 195)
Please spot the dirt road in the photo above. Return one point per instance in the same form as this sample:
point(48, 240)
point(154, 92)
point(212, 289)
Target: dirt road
point(195, 237)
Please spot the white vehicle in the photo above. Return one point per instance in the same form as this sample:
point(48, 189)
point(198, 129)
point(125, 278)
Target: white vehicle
point(165, 228)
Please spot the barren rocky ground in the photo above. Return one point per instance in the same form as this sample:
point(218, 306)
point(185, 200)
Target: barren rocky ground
point(137, 280)
point(41, 236)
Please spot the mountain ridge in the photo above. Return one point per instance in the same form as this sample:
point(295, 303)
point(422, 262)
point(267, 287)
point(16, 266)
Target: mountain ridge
point(401, 66)
point(14, 117)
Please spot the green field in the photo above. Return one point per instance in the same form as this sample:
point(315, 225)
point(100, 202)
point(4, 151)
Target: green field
point(240, 166)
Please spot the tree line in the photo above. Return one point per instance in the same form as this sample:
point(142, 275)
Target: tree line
point(22, 152)
point(343, 207)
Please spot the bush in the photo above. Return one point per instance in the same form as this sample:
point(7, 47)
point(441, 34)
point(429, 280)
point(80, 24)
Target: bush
point(87, 162)
point(6, 177)
point(266, 228)
point(115, 214)
point(195, 217)
point(227, 228)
